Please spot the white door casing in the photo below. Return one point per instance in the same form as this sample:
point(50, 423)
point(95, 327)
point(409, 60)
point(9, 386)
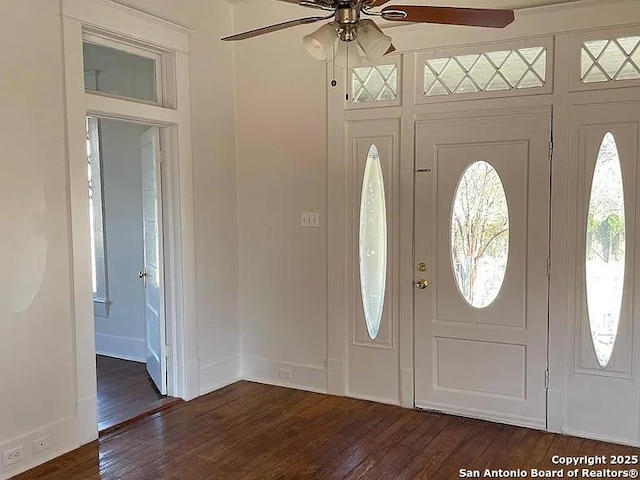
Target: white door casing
point(153, 255)
point(485, 362)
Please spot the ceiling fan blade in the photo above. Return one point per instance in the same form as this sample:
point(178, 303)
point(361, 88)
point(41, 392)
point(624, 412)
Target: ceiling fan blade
point(377, 3)
point(272, 28)
point(474, 17)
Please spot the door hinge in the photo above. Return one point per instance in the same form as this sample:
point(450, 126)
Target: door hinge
point(546, 378)
point(166, 351)
point(551, 150)
point(160, 156)
point(548, 265)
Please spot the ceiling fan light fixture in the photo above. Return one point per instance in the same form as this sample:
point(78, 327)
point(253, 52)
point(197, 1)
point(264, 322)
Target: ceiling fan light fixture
point(373, 41)
point(320, 43)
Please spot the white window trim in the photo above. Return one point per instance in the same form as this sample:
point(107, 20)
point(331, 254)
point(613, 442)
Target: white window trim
point(101, 295)
point(127, 24)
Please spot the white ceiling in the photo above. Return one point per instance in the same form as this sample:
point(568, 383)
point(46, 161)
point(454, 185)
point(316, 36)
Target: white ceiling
point(511, 4)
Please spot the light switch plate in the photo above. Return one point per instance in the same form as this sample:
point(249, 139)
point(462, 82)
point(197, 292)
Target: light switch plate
point(310, 220)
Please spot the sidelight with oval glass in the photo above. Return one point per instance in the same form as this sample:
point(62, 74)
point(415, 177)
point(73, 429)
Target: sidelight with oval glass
point(373, 242)
point(605, 250)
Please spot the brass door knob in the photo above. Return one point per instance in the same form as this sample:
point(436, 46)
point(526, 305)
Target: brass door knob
point(421, 284)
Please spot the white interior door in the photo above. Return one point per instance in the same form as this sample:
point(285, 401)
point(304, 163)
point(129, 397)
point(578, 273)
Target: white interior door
point(481, 250)
point(603, 365)
point(153, 272)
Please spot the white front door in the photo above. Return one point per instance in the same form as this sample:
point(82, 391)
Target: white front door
point(481, 250)
point(153, 255)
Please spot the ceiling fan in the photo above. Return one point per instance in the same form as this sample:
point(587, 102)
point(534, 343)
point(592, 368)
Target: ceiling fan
point(333, 40)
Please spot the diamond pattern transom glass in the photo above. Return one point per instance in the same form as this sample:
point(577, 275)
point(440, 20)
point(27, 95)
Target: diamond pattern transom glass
point(610, 60)
point(486, 72)
point(375, 84)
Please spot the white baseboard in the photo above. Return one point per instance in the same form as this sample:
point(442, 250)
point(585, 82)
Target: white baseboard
point(304, 377)
point(126, 348)
point(219, 374)
point(61, 438)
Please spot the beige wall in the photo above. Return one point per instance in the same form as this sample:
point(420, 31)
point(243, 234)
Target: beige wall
point(37, 371)
point(281, 125)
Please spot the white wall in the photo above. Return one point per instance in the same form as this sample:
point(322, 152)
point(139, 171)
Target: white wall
point(214, 155)
point(37, 371)
point(36, 351)
point(281, 125)
point(122, 334)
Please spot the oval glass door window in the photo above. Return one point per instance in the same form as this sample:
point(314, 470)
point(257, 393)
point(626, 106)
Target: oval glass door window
point(605, 250)
point(479, 234)
point(373, 242)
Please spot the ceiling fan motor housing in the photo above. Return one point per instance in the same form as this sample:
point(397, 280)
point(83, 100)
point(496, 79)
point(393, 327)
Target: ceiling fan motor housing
point(347, 18)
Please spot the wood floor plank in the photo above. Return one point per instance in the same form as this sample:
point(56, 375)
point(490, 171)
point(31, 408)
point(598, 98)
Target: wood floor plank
point(498, 454)
point(442, 446)
point(356, 453)
point(468, 449)
point(125, 392)
point(250, 431)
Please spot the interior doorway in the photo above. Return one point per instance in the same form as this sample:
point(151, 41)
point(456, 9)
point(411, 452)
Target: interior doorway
point(125, 206)
point(481, 246)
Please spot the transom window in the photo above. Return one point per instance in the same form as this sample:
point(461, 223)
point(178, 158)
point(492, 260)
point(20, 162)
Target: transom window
point(123, 70)
point(610, 60)
point(486, 72)
point(375, 84)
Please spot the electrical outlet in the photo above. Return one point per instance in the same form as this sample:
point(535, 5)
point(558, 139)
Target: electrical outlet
point(40, 444)
point(12, 456)
point(286, 373)
point(310, 220)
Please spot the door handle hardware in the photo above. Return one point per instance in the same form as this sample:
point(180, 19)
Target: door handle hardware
point(422, 267)
point(421, 284)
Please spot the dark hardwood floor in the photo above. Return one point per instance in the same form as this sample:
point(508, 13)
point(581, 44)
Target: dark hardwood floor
point(254, 431)
point(125, 391)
